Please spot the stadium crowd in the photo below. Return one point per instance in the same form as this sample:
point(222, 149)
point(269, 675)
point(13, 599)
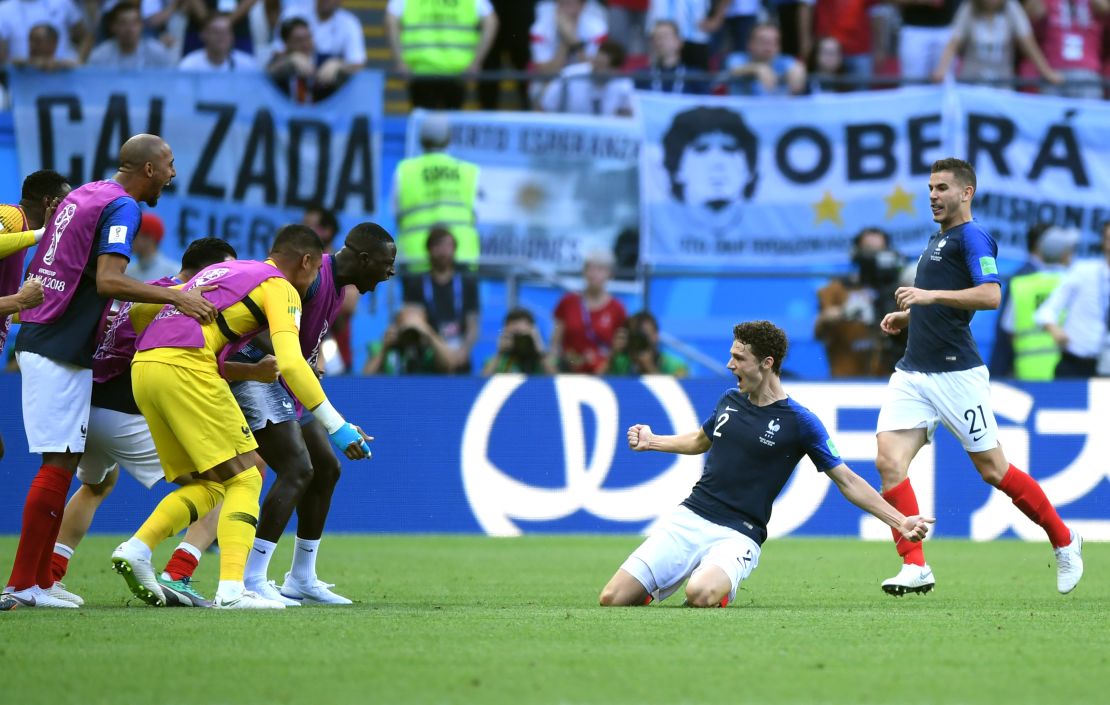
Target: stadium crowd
point(584, 56)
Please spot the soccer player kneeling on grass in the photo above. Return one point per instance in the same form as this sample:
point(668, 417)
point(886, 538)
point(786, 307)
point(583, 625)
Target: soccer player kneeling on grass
point(197, 426)
point(755, 438)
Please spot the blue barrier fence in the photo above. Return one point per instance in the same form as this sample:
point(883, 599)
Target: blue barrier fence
point(518, 455)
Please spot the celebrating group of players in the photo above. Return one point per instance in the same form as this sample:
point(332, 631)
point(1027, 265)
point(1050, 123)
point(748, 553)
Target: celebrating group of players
point(179, 378)
point(191, 378)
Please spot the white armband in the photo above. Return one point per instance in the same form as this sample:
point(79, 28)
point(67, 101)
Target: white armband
point(328, 416)
point(39, 233)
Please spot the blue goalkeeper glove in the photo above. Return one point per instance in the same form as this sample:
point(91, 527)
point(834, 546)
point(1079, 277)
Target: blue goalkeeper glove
point(345, 436)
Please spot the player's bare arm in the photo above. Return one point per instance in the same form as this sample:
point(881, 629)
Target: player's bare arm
point(895, 322)
point(985, 297)
point(864, 496)
point(641, 438)
point(265, 370)
point(28, 296)
point(113, 283)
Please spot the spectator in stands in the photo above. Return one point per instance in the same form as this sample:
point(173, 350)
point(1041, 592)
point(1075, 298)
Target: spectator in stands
point(511, 50)
point(741, 17)
point(1002, 353)
point(298, 70)
point(438, 44)
point(449, 299)
point(1032, 349)
point(794, 19)
point(148, 262)
point(764, 69)
point(924, 34)
point(854, 26)
point(218, 53)
point(628, 24)
point(323, 222)
point(128, 49)
point(1082, 302)
point(826, 68)
point(43, 46)
point(589, 88)
point(409, 346)
point(983, 36)
point(199, 12)
point(586, 323)
point(697, 21)
point(435, 188)
point(851, 308)
point(264, 21)
point(19, 17)
point(519, 347)
point(562, 29)
point(636, 350)
point(668, 72)
point(1071, 37)
point(336, 34)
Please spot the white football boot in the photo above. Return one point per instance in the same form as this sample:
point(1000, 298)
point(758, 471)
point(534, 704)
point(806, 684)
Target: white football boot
point(33, 596)
point(317, 592)
point(1069, 564)
point(139, 575)
point(269, 590)
point(912, 578)
point(58, 590)
point(245, 600)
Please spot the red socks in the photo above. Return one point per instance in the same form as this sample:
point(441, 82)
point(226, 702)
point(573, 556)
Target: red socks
point(181, 565)
point(59, 564)
point(902, 498)
point(42, 518)
point(1028, 496)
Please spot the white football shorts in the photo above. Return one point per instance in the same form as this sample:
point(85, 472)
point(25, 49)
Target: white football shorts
point(960, 400)
point(56, 401)
point(685, 543)
point(119, 438)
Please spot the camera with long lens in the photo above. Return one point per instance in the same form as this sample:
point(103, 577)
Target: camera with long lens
point(638, 342)
point(524, 346)
point(879, 270)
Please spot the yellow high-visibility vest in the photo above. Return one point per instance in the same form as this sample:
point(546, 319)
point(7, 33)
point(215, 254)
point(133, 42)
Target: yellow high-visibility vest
point(1035, 352)
point(439, 36)
point(433, 189)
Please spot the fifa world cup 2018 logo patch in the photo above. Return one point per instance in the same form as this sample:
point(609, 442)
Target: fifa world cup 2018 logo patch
point(61, 222)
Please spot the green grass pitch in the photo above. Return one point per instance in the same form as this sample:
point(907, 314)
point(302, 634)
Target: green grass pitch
point(514, 621)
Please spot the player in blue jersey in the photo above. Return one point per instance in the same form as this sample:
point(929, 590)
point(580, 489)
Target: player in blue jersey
point(755, 438)
point(942, 379)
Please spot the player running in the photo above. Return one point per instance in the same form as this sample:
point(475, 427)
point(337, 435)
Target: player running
point(118, 434)
point(305, 466)
point(198, 428)
point(81, 262)
point(942, 379)
point(755, 438)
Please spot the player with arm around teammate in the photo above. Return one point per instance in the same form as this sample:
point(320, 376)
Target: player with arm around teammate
point(295, 445)
point(198, 428)
point(755, 438)
point(941, 379)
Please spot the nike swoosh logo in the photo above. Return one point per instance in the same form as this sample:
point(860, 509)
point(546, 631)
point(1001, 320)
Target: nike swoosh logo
point(729, 408)
point(25, 601)
point(261, 551)
point(976, 439)
point(308, 550)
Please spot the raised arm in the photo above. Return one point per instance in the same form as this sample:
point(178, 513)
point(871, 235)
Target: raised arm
point(113, 283)
point(864, 496)
point(641, 438)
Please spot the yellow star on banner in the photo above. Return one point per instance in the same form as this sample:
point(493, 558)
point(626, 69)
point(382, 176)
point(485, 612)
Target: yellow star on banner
point(828, 208)
point(899, 201)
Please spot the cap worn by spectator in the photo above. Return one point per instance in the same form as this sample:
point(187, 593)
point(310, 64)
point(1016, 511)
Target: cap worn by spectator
point(435, 129)
point(153, 227)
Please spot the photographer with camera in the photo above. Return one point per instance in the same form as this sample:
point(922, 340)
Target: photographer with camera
point(409, 346)
point(851, 308)
point(636, 350)
point(519, 347)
